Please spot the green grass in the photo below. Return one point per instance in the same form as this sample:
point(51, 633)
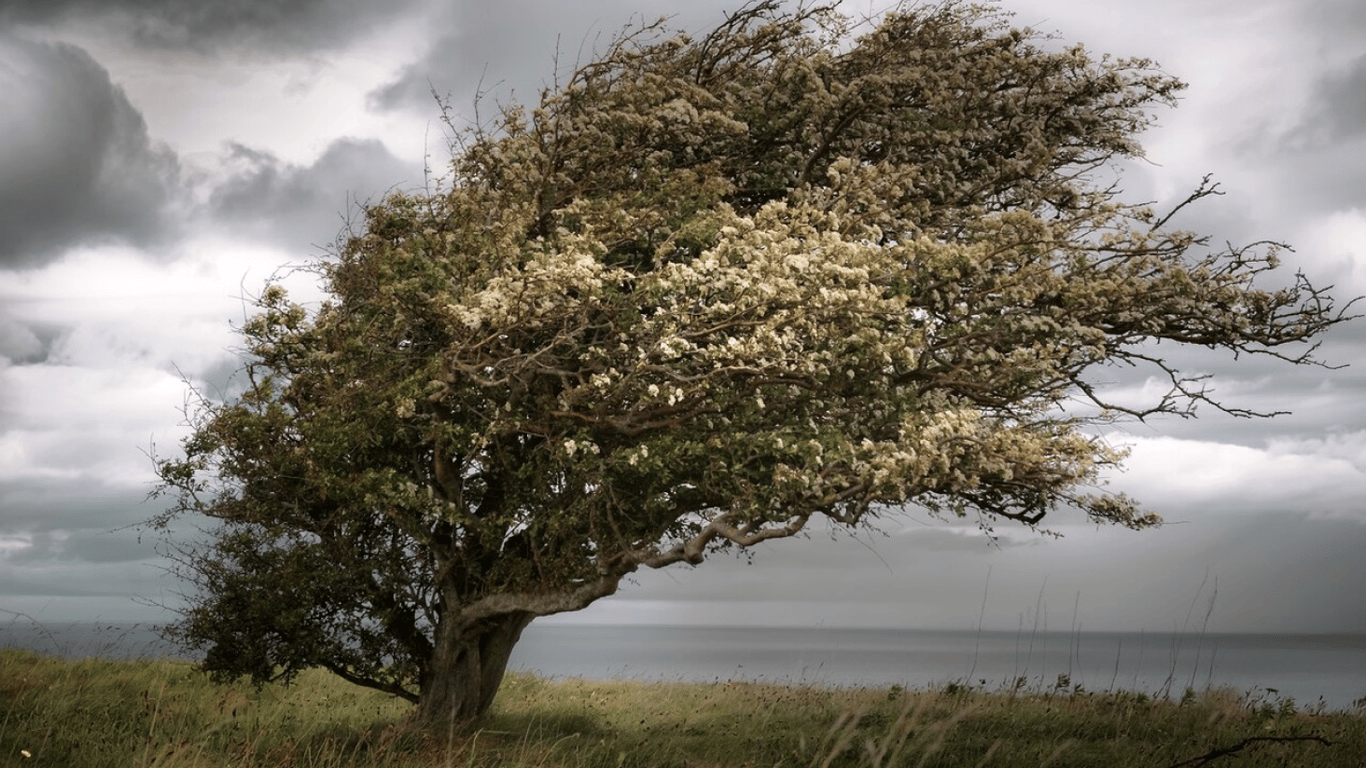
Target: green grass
point(95, 713)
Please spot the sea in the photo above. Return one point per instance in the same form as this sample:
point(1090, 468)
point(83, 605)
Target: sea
point(1315, 671)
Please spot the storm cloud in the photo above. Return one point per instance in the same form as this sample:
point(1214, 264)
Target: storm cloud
point(302, 208)
point(77, 165)
point(282, 26)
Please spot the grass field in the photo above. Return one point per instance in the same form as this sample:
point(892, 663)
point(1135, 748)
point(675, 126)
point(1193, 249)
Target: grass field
point(97, 713)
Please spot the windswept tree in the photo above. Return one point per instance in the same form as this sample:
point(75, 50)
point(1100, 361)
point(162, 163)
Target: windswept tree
point(708, 289)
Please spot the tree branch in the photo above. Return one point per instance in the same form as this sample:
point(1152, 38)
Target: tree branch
point(1215, 754)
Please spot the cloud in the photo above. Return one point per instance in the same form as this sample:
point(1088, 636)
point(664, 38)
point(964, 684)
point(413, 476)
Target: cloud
point(84, 425)
point(1273, 572)
point(302, 207)
point(85, 580)
point(1339, 110)
point(19, 342)
point(65, 547)
point(82, 506)
point(107, 309)
point(516, 47)
point(1335, 20)
point(1190, 479)
point(260, 25)
point(77, 165)
point(76, 535)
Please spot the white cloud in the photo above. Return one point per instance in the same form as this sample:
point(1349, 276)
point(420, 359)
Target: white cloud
point(112, 381)
point(121, 309)
point(1181, 479)
point(295, 107)
point(1338, 242)
point(88, 423)
point(1348, 446)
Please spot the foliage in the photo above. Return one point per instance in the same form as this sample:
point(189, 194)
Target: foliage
point(708, 289)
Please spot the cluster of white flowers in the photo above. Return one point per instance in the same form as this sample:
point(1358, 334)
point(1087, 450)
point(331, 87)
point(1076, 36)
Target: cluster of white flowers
point(673, 347)
point(635, 456)
point(587, 446)
point(555, 281)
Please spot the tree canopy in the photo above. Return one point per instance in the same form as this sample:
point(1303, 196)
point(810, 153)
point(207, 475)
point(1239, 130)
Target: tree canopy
point(709, 288)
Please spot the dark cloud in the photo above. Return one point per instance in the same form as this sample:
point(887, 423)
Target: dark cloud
point(1289, 574)
point(19, 343)
point(77, 165)
point(303, 208)
point(38, 505)
point(29, 584)
point(515, 47)
point(1338, 111)
point(224, 380)
point(27, 341)
point(1322, 159)
point(82, 546)
point(284, 26)
point(72, 537)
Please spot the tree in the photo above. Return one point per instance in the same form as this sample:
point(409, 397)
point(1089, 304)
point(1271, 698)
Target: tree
point(708, 289)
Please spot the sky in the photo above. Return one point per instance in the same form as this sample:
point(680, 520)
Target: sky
point(160, 160)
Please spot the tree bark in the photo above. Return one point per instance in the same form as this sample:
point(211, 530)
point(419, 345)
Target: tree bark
point(467, 668)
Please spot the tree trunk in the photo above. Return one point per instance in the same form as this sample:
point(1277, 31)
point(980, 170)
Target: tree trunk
point(467, 669)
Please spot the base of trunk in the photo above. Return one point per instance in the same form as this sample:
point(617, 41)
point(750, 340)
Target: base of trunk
point(467, 670)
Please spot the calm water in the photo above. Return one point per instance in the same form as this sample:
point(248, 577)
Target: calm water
point(1308, 668)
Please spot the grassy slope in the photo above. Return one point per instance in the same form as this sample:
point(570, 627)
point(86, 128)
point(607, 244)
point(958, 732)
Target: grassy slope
point(96, 713)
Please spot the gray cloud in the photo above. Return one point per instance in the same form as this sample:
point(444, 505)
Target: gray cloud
point(72, 503)
point(222, 380)
point(77, 165)
point(1338, 111)
point(514, 47)
point(287, 26)
point(1274, 572)
point(1336, 19)
point(86, 583)
point(19, 342)
point(1313, 396)
point(1289, 573)
point(305, 207)
point(71, 537)
point(1319, 161)
point(82, 546)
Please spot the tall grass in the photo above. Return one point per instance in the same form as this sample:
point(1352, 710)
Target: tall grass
point(94, 713)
